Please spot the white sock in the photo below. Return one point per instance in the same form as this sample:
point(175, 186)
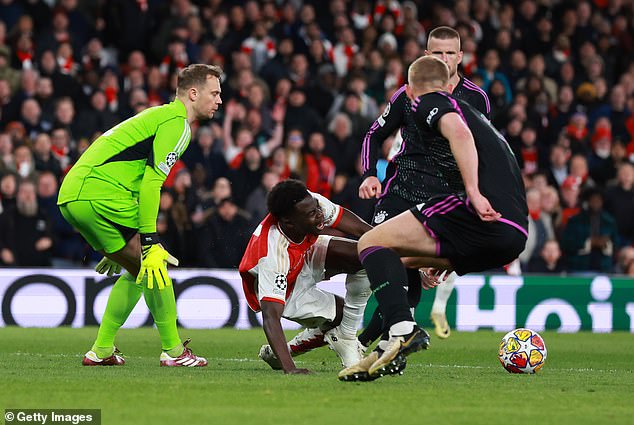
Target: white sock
point(357, 293)
point(443, 292)
point(402, 328)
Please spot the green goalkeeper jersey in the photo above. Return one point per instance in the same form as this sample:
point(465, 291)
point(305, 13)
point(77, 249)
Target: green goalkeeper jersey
point(131, 161)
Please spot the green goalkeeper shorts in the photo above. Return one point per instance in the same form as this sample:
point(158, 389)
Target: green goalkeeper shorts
point(106, 225)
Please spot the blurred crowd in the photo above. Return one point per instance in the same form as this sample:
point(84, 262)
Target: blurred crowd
point(304, 81)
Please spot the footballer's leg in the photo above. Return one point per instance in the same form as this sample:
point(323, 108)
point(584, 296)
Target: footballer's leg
point(380, 251)
point(112, 241)
point(341, 257)
point(439, 307)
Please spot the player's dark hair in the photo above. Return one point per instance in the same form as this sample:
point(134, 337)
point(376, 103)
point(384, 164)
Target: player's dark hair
point(443, 33)
point(196, 75)
point(283, 197)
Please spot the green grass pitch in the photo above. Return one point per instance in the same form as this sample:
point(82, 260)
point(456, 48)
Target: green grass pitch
point(588, 379)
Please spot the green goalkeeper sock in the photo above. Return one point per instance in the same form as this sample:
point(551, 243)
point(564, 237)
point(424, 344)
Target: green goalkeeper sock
point(162, 305)
point(123, 297)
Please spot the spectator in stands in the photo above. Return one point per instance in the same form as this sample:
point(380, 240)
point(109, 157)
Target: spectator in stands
point(340, 146)
point(538, 230)
point(8, 190)
point(201, 152)
point(26, 239)
point(300, 114)
point(32, 121)
point(570, 192)
point(6, 153)
point(224, 236)
point(43, 157)
point(256, 201)
point(247, 177)
point(590, 237)
point(619, 202)
point(320, 169)
point(549, 261)
point(24, 164)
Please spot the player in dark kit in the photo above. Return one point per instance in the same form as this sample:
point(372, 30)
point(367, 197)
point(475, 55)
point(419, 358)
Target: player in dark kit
point(411, 177)
point(479, 227)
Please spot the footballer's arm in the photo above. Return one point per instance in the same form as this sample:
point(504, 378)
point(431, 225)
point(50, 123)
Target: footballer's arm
point(463, 148)
point(271, 322)
point(352, 224)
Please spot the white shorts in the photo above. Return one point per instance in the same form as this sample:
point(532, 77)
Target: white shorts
point(308, 305)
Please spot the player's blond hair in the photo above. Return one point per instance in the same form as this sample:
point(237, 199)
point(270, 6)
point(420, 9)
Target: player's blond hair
point(428, 71)
point(196, 75)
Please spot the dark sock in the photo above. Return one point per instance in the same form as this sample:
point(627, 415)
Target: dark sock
point(414, 288)
point(373, 330)
point(387, 279)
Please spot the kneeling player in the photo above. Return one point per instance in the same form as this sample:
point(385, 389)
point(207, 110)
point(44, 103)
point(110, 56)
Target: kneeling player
point(285, 259)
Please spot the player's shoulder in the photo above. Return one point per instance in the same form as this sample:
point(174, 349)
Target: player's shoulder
point(429, 101)
point(172, 113)
point(472, 93)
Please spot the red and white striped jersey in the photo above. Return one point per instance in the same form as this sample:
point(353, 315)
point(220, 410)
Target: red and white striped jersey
point(272, 262)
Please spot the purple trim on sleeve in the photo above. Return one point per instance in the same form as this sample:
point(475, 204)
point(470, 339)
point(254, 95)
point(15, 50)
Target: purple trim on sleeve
point(400, 151)
point(387, 185)
point(512, 223)
point(365, 149)
point(371, 250)
point(455, 105)
point(397, 93)
point(470, 85)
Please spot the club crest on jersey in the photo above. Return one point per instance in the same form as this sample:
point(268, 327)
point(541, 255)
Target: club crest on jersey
point(431, 115)
point(280, 285)
point(380, 217)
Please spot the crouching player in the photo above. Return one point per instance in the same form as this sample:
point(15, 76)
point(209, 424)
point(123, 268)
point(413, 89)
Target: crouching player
point(285, 259)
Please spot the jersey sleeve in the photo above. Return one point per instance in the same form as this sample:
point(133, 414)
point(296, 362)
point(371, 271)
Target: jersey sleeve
point(390, 120)
point(332, 211)
point(481, 103)
point(429, 108)
point(170, 141)
point(272, 280)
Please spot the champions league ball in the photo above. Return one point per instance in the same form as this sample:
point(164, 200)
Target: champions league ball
point(522, 351)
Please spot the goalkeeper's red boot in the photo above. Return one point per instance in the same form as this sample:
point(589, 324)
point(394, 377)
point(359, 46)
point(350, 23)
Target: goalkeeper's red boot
point(91, 359)
point(187, 359)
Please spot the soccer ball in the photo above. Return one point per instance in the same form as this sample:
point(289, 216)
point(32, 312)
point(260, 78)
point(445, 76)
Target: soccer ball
point(522, 351)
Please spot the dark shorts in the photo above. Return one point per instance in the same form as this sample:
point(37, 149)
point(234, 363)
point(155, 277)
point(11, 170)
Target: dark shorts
point(389, 207)
point(470, 244)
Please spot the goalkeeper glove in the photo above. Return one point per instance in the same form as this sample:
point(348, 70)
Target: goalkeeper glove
point(154, 262)
point(107, 266)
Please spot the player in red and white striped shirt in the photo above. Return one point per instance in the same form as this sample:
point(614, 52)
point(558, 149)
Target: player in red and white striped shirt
point(285, 259)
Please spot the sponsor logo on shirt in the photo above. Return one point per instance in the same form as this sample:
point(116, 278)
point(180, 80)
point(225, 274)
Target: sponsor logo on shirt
point(431, 115)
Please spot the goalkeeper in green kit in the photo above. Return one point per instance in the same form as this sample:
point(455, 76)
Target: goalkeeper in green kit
point(111, 196)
